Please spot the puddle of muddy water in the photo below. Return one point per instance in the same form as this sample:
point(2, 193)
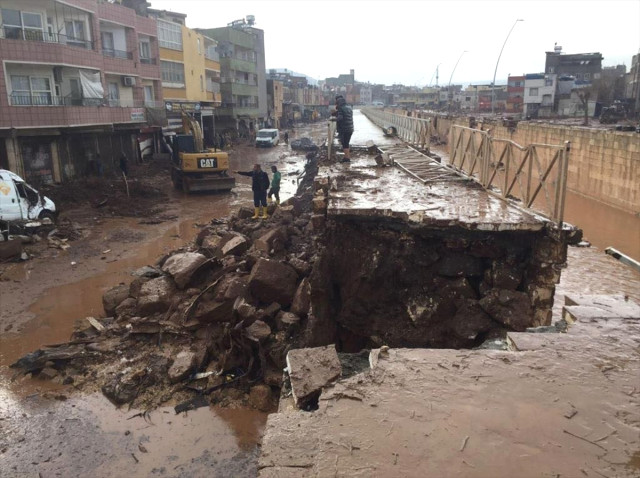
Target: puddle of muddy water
point(100, 440)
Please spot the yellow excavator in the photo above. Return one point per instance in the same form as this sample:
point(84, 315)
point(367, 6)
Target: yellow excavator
point(196, 168)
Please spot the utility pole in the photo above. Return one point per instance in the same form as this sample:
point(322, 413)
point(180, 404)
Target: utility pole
point(493, 84)
point(449, 94)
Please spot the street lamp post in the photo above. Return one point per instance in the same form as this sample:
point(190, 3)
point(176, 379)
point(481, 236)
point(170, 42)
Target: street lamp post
point(451, 77)
point(493, 84)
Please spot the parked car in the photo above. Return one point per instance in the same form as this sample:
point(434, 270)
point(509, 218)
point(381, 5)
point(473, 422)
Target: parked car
point(21, 203)
point(267, 137)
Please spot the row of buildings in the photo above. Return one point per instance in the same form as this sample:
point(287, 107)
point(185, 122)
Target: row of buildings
point(84, 81)
point(557, 91)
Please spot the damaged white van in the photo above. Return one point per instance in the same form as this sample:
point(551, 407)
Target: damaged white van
point(20, 203)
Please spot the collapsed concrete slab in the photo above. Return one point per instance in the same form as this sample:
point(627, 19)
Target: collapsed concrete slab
point(182, 266)
point(444, 264)
point(310, 370)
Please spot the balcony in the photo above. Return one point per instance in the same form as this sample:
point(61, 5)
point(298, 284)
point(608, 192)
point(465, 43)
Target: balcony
point(239, 65)
point(124, 55)
point(25, 34)
point(148, 61)
point(47, 99)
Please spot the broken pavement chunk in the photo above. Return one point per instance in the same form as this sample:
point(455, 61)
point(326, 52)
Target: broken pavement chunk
point(182, 267)
point(273, 281)
point(182, 366)
point(310, 370)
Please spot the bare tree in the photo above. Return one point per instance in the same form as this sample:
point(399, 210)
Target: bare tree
point(584, 94)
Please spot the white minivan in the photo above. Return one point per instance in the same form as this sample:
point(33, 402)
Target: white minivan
point(267, 137)
point(19, 202)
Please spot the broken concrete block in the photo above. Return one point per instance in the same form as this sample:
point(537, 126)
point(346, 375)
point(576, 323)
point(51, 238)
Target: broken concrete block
point(155, 295)
point(612, 306)
point(245, 212)
point(310, 370)
point(214, 311)
point(211, 242)
point(303, 268)
point(302, 299)
point(113, 297)
point(275, 240)
point(147, 271)
point(258, 331)
point(182, 267)
point(273, 281)
point(182, 366)
point(136, 285)
point(509, 307)
point(236, 246)
point(127, 307)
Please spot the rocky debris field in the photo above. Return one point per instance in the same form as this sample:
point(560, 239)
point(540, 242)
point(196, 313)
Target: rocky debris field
point(211, 322)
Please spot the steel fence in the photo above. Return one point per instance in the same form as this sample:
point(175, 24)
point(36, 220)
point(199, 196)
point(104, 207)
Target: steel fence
point(534, 175)
point(412, 130)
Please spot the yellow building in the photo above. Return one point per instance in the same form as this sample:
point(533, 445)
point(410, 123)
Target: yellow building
point(190, 69)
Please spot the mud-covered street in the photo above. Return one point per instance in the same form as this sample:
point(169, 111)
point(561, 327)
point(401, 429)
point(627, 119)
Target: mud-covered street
point(49, 429)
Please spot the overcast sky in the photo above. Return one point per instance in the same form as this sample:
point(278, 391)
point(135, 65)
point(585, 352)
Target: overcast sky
point(404, 41)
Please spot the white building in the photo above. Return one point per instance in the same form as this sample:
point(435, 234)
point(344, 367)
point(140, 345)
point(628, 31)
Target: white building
point(539, 94)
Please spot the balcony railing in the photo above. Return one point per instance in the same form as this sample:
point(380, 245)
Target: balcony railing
point(148, 61)
point(212, 56)
point(125, 55)
point(14, 33)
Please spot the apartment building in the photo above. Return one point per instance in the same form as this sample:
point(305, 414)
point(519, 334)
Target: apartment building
point(243, 81)
point(582, 66)
point(515, 94)
point(539, 94)
point(78, 79)
point(190, 69)
point(275, 100)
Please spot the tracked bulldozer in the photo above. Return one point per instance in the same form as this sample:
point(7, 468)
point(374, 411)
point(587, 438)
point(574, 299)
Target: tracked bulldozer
point(196, 168)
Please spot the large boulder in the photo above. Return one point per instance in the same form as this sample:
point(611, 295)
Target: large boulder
point(113, 297)
point(182, 266)
point(273, 281)
point(214, 311)
point(155, 295)
point(510, 308)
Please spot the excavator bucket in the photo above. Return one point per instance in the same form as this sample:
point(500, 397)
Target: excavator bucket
point(220, 183)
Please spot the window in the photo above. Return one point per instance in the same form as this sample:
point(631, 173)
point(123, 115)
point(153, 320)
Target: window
point(148, 94)
point(22, 25)
point(114, 94)
point(107, 42)
point(31, 90)
point(169, 35)
point(76, 91)
point(75, 32)
point(533, 91)
point(201, 83)
point(172, 72)
point(145, 51)
point(587, 76)
point(548, 82)
point(199, 50)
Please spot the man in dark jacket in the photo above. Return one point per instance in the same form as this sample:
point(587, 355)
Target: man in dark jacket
point(259, 186)
point(344, 122)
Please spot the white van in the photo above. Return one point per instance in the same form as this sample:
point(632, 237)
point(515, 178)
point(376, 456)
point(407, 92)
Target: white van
point(267, 137)
point(19, 202)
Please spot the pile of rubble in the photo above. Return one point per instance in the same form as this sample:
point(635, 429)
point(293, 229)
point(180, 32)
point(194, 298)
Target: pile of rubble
point(211, 321)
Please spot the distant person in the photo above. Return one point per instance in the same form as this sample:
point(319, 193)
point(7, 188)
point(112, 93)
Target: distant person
point(99, 166)
point(259, 186)
point(286, 137)
point(343, 116)
point(124, 164)
point(275, 185)
point(221, 142)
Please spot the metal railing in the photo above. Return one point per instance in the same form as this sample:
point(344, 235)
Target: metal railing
point(124, 55)
point(415, 131)
point(534, 175)
point(14, 33)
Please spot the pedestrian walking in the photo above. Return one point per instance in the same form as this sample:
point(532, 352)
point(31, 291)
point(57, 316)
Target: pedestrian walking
point(259, 186)
point(275, 185)
point(286, 137)
point(343, 116)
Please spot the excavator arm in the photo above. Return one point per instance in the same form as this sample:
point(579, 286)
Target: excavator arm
point(192, 127)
